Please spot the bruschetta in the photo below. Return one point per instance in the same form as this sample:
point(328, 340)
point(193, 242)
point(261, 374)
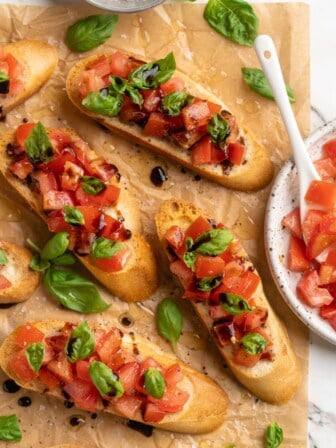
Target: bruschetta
point(76, 191)
point(24, 67)
point(17, 281)
point(150, 104)
point(226, 292)
point(107, 370)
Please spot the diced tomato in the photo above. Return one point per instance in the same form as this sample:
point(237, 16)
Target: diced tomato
point(201, 152)
point(90, 82)
point(14, 66)
point(236, 153)
point(22, 168)
point(326, 168)
point(112, 228)
point(322, 193)
point(48, 378)
point(198, 227)
point(328, 311)
point(61, 367)
point(214, 108)
point(57, 164)
point(156, 126)
point(49, 354)
point(131, 112)
point(59, 140)
point(297, 259)
point(128, 406)
point(100, 168)
point(108, 345)
point(292, 222)
point(331, 257)
point(329, 148)
point(129, 375)
point(101, 66)
point(56, 200)
point(28, 334)
point(149, 363)
point(196, 114)
point(115, 263)
point(234, 268)
point(152, 100)
point(196, 294)
point(91, 216)
point(216, 311)
point(84, 394)
point(309, 291)
point(252, 320)
point(4, 282)
point(174, 84)
point(174, 124)
point(120, 65)
point(175, 237)
point(173, 400)
point(244, 286)
point(56, 223)
point(327, 274)
point(173, 375)
point(82, 370)
point(243, 358)
point(19, 364)
point(327, 224)
point(179, 268)
point(47, 181)
point(23, 132)
point(311, 222)
point(218, 155)
point(187, 139)
point(208, 266)
point(57, 342)
point(332, 289)
point(71, 176)
point(318, 242)
point(153, 413)
point(119, 359)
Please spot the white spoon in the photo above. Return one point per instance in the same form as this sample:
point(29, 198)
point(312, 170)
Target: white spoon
point(269, 61)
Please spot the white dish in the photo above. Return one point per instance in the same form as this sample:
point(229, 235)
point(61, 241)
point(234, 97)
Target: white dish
point(125, 5)
point(283, 198)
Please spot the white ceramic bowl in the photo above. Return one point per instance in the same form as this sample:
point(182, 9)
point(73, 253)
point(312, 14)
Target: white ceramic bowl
point(283, 198)
point(125, 5)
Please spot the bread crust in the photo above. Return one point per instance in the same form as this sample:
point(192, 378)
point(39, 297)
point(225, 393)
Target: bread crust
point(39, 60)
point(24, 280)
point(255, 174)
point(273, 381)
point(141, 267)
point(203, 412)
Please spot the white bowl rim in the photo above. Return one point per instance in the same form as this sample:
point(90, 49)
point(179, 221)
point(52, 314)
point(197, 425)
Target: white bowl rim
point(143, 5)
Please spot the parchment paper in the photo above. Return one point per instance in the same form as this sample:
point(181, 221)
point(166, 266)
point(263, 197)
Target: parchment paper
point(216, 63)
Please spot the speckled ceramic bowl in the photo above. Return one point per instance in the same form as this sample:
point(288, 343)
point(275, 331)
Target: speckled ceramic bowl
point(283, 198)
point(125, 5)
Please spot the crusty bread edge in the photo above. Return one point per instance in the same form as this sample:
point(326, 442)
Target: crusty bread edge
point(273, 381)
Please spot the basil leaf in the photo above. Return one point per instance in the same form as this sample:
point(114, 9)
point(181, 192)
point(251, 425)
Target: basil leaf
point(169, 321)
point(105, 248)
point(10, 429)
point(3, 77)
point(66, 259)
point(234, 304)
point(4, 83)
point(189, 242)
point(38, 264)
point(92, 185)
point(189, 259)
point(118, 85)
point(81, 343)
point(174, 102)
point(257, 81)
point(233, 19)
point(208, 283)
point(273, 435)
point(107, 383)
point(34, 354)
point(134, 95)
point(38, 146)
point(3, 257)
point(253, 343)
point(151, 75)
point(154, 382)
point(218, 129)
point(73, 216)
point(74, 292)
point(213, 242)
point(102, 104)
point(56, 246)
point(90, 32)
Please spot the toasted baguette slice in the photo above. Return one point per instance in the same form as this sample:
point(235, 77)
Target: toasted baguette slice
point(23, 280)
point(273, 381)
point(139, 278)
point(39, 60)
point(253, 174)
point(203, 412)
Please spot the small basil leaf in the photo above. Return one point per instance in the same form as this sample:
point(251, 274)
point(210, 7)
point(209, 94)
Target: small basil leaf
point(257, 81)
point(38, 264)
point(234, 304)
point(107, 383)
point(10, 429)
point(38, 146)
point(81, 343)
point(34, 354)
point(253, 343)
point(151, 75)
point(174, 102)
point(189, 242)
point(118, 85)
point(154, 383)
point(3, 77)
point(218, 129)
point(92, 185)
point(3, 257)
point(189, 259)
point(56, 246)
point(233, 19)
point(102, 104)
point(169, 321)
point(4, 83)
point(91, 32)
point(134, 95)
point(208, 283)
point(105, 248)
point(74, 292)
point(73, 216)
point(273, 435)
point(66, 259)
point(213, 242)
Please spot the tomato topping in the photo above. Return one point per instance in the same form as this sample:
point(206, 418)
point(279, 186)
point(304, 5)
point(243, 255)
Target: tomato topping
point(47, 181)
point(57, 164)
point(22, 168)
point(174, 84)
point(56, 200)
point(201, 152)
point(252, 320)
point(19, 364)
point(208, 266)
point(329, 148)
point(244, 285)
point(173, 400)
point(236, 153)
point(23, 132)
point(61, 367)
point(153, 413)
point(196, 114)
point(152, 100)
point(292, 222)
point(84, 394)
point(56, 223)
point(198, 227)
point(127, 405)
point(322, 193)
point(309, 291)
point(91, 216)
point(173, 375)
point(182, 271)
point(115, 263)
point(157, 125)
point(102, 66)
point(48, 378)
point(108, 345)
point(297, 259)
point(28, 334)
point(120, 64)
point(129, 375)
point(243, 358)
point(326, 168)
point(175, 237)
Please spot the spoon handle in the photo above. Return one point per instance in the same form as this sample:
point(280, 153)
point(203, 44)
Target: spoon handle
point(269, 61)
